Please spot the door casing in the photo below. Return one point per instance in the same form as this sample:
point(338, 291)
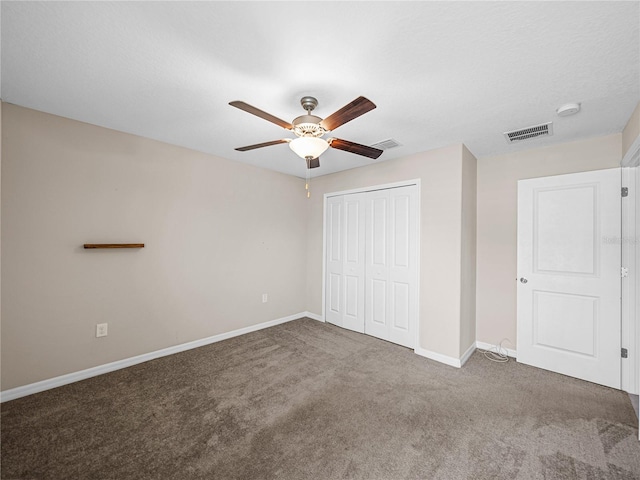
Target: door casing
point(631, 283)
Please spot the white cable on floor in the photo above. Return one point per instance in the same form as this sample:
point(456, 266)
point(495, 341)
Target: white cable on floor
point(497, 353)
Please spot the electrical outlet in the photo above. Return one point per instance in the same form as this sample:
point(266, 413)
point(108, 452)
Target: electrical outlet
point(101, 329)
point(265, 298)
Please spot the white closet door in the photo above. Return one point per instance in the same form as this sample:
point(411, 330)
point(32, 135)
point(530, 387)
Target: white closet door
point(345, 261)
point(403, 265)
point(377, 264)
point(334, 254)
point(391, 271)
point(353, 269)
point(372, 263)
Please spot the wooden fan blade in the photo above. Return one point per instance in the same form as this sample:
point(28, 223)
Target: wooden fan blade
point(260, 145)
point(347, 113)
point(259, 113)
point(355, 148)
point(313, 163)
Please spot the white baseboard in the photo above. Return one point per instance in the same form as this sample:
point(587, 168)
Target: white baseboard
point(50, 383)
point(488, 346)
point(459, 362)
point(438, 357)
point(314, 316)
point(467, 354)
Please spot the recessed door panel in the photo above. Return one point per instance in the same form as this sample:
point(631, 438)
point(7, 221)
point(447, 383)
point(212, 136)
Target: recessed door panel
point(334, 293)
point(565, 322)
point(351, 295)
point(353, 239)
point(378, 240)
point(335, 244)
point(379, 302)
point(401, 222)
point(400, 295)
point(565, 229)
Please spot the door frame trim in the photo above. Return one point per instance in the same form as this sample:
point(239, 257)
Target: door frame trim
point(630, 308)
point(372, 188)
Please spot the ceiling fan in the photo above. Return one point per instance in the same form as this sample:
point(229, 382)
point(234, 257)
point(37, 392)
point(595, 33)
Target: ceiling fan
point(309, 129)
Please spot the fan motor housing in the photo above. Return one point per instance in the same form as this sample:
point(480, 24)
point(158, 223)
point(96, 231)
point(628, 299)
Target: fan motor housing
point(308, 126)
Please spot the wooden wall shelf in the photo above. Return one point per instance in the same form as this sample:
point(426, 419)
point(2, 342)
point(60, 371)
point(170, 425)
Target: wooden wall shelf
point(114, 245)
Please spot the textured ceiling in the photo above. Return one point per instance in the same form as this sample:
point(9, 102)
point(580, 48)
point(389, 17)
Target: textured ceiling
point(439, 72)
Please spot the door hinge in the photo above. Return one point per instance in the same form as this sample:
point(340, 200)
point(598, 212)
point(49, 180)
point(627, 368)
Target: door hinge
point(624, 353)
point(624, 272)
point(625, 191)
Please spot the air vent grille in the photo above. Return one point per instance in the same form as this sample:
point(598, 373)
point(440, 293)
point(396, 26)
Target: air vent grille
point(529, 132)
point(386, 144)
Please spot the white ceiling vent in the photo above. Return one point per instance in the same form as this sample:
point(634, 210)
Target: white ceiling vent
point(529, 132)
point(386, 144)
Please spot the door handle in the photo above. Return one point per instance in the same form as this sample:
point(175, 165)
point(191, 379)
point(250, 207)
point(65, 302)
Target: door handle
point(523, 280)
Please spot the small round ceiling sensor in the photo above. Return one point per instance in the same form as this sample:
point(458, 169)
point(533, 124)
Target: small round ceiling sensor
point(568, 109)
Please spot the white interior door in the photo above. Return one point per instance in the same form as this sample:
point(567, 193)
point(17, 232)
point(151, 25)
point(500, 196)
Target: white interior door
point(391, 308)
point(569, 274)
point(334, 255)
point(377, 264)
point(403, 265)
point(353, 270)
point(345, 261)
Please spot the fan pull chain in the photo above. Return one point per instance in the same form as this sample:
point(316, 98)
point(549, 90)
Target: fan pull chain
point(308, 177)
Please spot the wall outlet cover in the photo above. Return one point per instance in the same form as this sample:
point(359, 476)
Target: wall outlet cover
point(101, 329)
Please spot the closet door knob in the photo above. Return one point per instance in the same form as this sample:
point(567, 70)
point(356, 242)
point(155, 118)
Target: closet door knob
point(523, 280)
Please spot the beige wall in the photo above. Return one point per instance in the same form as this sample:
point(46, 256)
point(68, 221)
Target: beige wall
point(1, 104)
point(631, 131)
point(468, 255)
point(497, 214)
point(218, 234)
point(440, 172)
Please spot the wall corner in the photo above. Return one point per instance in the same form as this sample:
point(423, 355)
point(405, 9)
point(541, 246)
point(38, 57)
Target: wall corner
point(469, 177)
point(631, 140)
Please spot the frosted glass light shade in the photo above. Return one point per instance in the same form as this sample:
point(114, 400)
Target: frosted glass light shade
point(308, 146)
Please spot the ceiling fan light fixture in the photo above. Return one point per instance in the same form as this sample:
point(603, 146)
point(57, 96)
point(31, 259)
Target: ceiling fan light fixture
point(306, 147)
point(309, 128)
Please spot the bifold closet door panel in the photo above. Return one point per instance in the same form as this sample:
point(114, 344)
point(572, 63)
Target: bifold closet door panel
point(354, 265)
point(377, 264)
point(403, 266)
point(391, 310)
point(344, 287)
point(334, 256)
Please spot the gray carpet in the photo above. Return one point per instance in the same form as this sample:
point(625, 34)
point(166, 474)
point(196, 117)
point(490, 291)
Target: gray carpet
point(305, 400)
